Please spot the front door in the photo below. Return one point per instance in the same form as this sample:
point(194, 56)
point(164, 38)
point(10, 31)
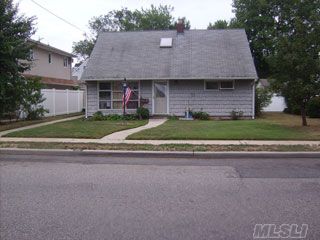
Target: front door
point(160, 97)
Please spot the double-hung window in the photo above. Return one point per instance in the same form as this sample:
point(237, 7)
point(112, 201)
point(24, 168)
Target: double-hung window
point(105, 95)
point(65, 62)
point(227, 84)
point(110, 95)
point(219, 85)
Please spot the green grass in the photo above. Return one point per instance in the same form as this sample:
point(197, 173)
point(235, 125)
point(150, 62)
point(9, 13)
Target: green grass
point(270, 127)
point(163, 147)
point(78, 128)
point(23, 123)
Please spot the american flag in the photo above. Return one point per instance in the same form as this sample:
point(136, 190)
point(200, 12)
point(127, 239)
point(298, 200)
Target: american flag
point(126, 96)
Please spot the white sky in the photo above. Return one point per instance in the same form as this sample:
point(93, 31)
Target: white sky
point(55, 32)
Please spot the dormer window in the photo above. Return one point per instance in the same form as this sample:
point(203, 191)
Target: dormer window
point(166, 43)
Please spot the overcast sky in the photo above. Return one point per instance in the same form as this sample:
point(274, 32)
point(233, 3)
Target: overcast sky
point(55, 32)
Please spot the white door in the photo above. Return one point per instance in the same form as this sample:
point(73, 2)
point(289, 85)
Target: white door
point(160, 94)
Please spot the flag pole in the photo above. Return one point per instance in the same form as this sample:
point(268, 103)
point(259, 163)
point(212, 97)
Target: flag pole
point(124, 86)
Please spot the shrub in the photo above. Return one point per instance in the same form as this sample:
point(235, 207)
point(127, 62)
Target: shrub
point(32, 99)
point(235, 115)
point(313, 108)
point(143, 113)
point(130, 117)
point(292, 108)
point(98, 116)
point(36, 113)
point(173, 117)
point(262, 99)
point(200, 115)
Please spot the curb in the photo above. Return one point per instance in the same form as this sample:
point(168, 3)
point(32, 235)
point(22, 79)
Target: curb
point(160, 154)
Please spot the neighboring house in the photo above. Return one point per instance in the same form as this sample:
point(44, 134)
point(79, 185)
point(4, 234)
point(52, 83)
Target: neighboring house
point(52, 65)
point(277, 104)
point(78, 71)
point(207, 70)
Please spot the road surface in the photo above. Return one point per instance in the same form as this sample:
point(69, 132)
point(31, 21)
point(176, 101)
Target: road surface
point(93, 196)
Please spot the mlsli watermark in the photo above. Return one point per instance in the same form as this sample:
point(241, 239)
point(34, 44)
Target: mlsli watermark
point(267, 231)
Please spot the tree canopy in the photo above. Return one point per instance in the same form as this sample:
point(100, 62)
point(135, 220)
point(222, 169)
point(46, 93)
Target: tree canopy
point(153, 18)
point(219, 24)
point(295, 56)
point(15, 29)
point(285, 43)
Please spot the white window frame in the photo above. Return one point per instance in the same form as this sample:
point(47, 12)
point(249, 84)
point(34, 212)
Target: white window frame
point(65, 60)
point(116, 100)
point(98, 91)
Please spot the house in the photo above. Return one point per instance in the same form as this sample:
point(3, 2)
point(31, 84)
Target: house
point(278, 103)
point(52, 65)
point(77, 71)
point(169, 71)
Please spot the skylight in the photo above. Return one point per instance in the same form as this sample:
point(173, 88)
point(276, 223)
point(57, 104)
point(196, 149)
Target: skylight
point(166, 42)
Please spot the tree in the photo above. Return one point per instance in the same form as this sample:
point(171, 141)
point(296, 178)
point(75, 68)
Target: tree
point(15, 29)
point(262, 99)
point(256, 16)
point(295, 61)
point(223, 24)
point(32, 98)
point(219, 24)
point(284, 40)
point(153, 18)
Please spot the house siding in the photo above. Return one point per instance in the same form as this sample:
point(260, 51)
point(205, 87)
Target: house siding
point(181, 92)
point(92, 95)
point(215, 102)
point(41, 66)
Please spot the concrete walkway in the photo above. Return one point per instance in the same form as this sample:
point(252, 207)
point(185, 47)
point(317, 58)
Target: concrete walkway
point(38, 125)
point(120, 136)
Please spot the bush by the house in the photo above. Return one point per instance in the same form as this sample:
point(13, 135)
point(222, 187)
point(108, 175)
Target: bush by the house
point(143, 113)
point(200, 115)
point(292, 108)
point(173, 117)
point(262, 99)
point(32, 99)
point(97, 116)
point(313, 108)
point(236, 115)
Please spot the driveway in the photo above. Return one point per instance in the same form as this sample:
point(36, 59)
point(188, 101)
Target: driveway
point(78, 195)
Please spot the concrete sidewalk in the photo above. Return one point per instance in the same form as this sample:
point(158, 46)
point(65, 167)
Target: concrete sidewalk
point(120, 136)
point(38, 125)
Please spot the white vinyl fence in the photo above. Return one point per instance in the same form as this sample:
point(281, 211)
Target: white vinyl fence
point(60, 102)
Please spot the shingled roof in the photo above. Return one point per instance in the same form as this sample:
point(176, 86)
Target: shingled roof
point(195, 54)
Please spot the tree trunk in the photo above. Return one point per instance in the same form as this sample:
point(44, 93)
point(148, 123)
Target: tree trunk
point(304, 115)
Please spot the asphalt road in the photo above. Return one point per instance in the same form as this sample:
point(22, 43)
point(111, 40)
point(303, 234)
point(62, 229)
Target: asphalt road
point(94, 196)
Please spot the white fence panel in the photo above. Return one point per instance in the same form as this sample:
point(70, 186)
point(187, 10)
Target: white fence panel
point(277, 104)
point(59, 102)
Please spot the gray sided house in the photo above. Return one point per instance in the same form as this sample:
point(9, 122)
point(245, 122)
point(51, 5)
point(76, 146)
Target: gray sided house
point(169, 71)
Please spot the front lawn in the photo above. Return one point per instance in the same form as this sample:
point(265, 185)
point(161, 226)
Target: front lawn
point(272, 126)
point(78, 128)
point(23, 123)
